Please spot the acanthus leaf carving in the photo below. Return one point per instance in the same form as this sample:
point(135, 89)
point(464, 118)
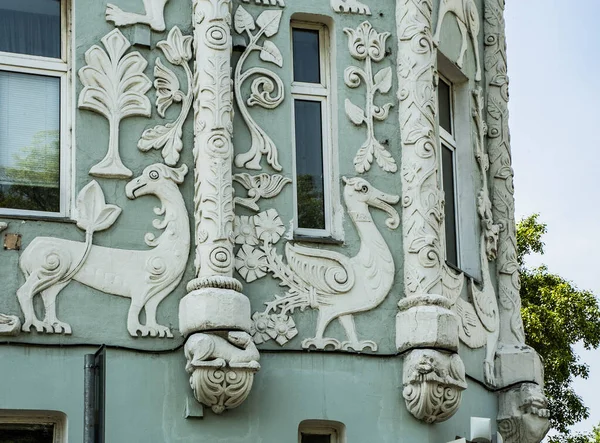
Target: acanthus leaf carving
point(367, 44)
point(146, 276)
point(115, 86)
point(266, 89)
point(324, 280)
point(178, 50)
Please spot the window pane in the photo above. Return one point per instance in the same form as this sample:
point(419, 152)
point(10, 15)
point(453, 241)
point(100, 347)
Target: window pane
point(309, 164)
point(29, 142)
point(23, 433)
point(307, 67)
point(315, 438)
point(445, 104)
point(30, 27)
point(450, 207)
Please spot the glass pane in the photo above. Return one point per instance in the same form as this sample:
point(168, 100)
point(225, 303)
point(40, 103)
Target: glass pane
point(309, 164)
point(29, 142)
point(450, 207)
point(30, 27)
point(445, 104)
point(315, 438)
point(23, 433)
point(307, 66)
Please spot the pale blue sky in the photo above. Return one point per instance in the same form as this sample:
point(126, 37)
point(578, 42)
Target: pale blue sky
point(553, 65)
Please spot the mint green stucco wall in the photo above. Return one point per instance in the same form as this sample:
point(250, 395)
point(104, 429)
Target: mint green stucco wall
point(146, 392)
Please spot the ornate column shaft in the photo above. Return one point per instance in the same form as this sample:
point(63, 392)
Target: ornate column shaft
point(426, 328)
point(522, 415)
point(222, 358)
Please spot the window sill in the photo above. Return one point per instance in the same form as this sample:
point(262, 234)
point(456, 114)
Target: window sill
point(40, 217)
point(469, 276)
point(316, 239)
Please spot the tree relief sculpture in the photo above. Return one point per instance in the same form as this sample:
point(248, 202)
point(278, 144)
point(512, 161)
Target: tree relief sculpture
point(365, 44)
point(145, 276)
point(115, 86)
point(153, 15)
point(350, 7)
point(467, 18)
point(337, 286)
point(266, 90)
point(178, 51)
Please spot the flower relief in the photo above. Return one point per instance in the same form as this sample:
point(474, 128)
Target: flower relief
point(278, 327)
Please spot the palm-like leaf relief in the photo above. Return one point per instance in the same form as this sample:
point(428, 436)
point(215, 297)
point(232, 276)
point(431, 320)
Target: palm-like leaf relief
point(366, 44)
point(259, 186)
point(178, 51)
point(266, 88)
point(115, 86)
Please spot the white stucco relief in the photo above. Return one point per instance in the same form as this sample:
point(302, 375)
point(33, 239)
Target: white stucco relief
point(336, 285)
point(523, 414)
point(146, 276)
point(350, 7)
point(9, 324)
point(366, 44)
point(215, 316)
point(177, 49)
point(467, 17)
point(259, 186)
point(267, 2)
point(115, 86)
point(425, 319)
point(266, 90)
point(153, 15)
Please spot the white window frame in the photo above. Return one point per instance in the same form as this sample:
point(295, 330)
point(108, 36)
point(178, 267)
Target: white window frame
point(448, 141)
point(317, 92)
point(57, 68)
point(335, 430)
point(35, 417)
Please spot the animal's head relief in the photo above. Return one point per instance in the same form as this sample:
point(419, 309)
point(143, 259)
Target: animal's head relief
point(153, 178)
point(358, 189)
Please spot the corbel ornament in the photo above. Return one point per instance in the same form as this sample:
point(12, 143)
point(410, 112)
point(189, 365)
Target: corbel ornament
point(215, 315)
point(523, 415)
point(425, 319)
point(115, 87)
point(433, 384)
point(515, 361)
point(366, 44)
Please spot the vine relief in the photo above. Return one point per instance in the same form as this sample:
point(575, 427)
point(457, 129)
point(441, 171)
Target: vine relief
point(145, 276)
point(266, 90)
point(115, 87)
point(178, 51)
point(153, 15)
point(365, 44)
point(350, 7)
point(335, 285)
point(467, 18)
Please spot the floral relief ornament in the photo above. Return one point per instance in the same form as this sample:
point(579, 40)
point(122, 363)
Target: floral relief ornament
point(365, 44)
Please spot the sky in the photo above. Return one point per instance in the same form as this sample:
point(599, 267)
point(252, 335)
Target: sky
point(553, 65)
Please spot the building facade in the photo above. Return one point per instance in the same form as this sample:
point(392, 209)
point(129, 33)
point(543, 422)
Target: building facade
point(286, 220)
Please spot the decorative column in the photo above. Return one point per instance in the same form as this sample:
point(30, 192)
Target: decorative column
point(523, 416)
point(215, 315)
point(426, 328)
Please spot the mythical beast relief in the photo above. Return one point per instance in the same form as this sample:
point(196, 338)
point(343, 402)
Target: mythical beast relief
point(146, 276)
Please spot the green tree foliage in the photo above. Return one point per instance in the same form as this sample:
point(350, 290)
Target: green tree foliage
point(556, 315)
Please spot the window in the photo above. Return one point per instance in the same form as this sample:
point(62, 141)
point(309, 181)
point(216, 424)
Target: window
point(33, 103)
point(311, 93)
point(32, 427)
point(448, 148)
point(321, 431)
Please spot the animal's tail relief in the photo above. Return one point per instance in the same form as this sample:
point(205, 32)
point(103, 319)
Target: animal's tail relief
point(52, 270)
point(289, 303)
